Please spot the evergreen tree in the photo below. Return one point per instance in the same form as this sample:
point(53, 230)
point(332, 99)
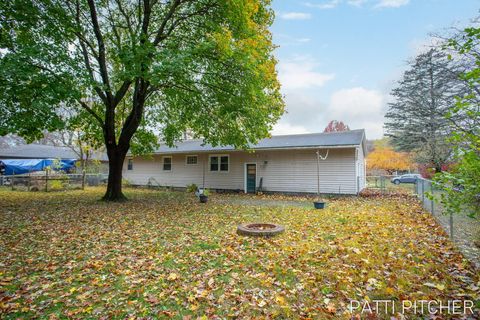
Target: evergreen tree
point(416, 119)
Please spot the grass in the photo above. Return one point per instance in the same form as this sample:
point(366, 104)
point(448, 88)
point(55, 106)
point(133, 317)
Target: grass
point(375, 182)
point(164, 255)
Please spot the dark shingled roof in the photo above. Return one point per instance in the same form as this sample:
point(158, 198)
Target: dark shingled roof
point(42, 151)
point(310, 140)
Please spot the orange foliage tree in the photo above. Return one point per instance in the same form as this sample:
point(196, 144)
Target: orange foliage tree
point(387, 159)
point(336, 126)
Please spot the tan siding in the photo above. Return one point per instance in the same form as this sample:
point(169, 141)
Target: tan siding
point(284, 171)
point(296, 171)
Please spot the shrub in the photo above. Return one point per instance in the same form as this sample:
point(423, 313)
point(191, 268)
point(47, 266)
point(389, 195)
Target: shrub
point(460, 190)
point(56, 185)
point(192, 188)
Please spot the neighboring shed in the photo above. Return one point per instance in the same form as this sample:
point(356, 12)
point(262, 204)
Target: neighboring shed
point(285, 163)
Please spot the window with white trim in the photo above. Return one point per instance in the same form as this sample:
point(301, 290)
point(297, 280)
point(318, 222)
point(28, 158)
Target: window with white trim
point(130, 164)
point(167, 163)
point(219, 163)
point(191, 159)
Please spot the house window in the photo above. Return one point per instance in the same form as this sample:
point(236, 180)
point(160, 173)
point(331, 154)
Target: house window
point(224, 163)
point(213, 163)
point(219, 163)
point(167, 163)
point(130, 164)
point(191, 160)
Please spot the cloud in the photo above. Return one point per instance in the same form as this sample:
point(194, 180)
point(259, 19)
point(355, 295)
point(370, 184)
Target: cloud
point(391, 3)
point(300, 73)
point(324, 5)
point(304, 40)
point(358, 107)
point(303, 114)
point(282, 128)
point(303, 109)
point(295, 16)
point(357, 3)
point(287, 40)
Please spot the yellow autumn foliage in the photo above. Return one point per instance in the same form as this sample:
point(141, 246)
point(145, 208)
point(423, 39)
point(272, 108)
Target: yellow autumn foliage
point(385, 158)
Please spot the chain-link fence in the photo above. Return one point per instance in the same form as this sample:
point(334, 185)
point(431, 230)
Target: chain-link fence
point(51, 181)
point(389, 184)
point(463, 230)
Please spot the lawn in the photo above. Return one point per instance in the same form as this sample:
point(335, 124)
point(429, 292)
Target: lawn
point(162, 254)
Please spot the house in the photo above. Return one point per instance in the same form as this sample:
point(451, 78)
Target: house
point(43, 152)
point(286, 163)
point(37, 151)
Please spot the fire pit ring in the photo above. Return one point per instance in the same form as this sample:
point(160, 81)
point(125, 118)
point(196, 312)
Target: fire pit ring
point(259, 229)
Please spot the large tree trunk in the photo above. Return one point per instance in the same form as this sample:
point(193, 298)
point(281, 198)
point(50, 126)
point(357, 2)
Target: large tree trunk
point(117, 151)
point(116, 157)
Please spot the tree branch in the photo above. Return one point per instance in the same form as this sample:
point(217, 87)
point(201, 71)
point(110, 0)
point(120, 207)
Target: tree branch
point(93, 113)
point(168, 16)
point(135, 116)
point(121, 92)
point(86, 59)
point(101, 49)
point(147, 10)
point(127, 19)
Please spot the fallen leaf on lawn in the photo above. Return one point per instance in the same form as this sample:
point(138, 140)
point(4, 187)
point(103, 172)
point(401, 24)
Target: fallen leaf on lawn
point(194, 307)
point(440, 287)
point(211, 282)
point(172, 276)
point(331, 308)
point(280, 300)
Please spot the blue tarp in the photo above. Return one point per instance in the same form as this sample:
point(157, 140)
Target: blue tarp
point(20, 166)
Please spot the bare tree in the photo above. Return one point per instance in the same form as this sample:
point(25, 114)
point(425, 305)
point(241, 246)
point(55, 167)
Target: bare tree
point(10, 140)
point(74, 140)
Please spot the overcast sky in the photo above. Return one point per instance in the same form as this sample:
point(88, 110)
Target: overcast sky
point(338, 59)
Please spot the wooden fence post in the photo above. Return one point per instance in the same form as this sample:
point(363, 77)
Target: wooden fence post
point(83, 179)
point(12, 182)
point(46, 180)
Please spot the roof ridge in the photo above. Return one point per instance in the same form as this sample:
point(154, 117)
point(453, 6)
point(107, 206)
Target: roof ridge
point(313, 133)
point(287, 135)
point(34, 144)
